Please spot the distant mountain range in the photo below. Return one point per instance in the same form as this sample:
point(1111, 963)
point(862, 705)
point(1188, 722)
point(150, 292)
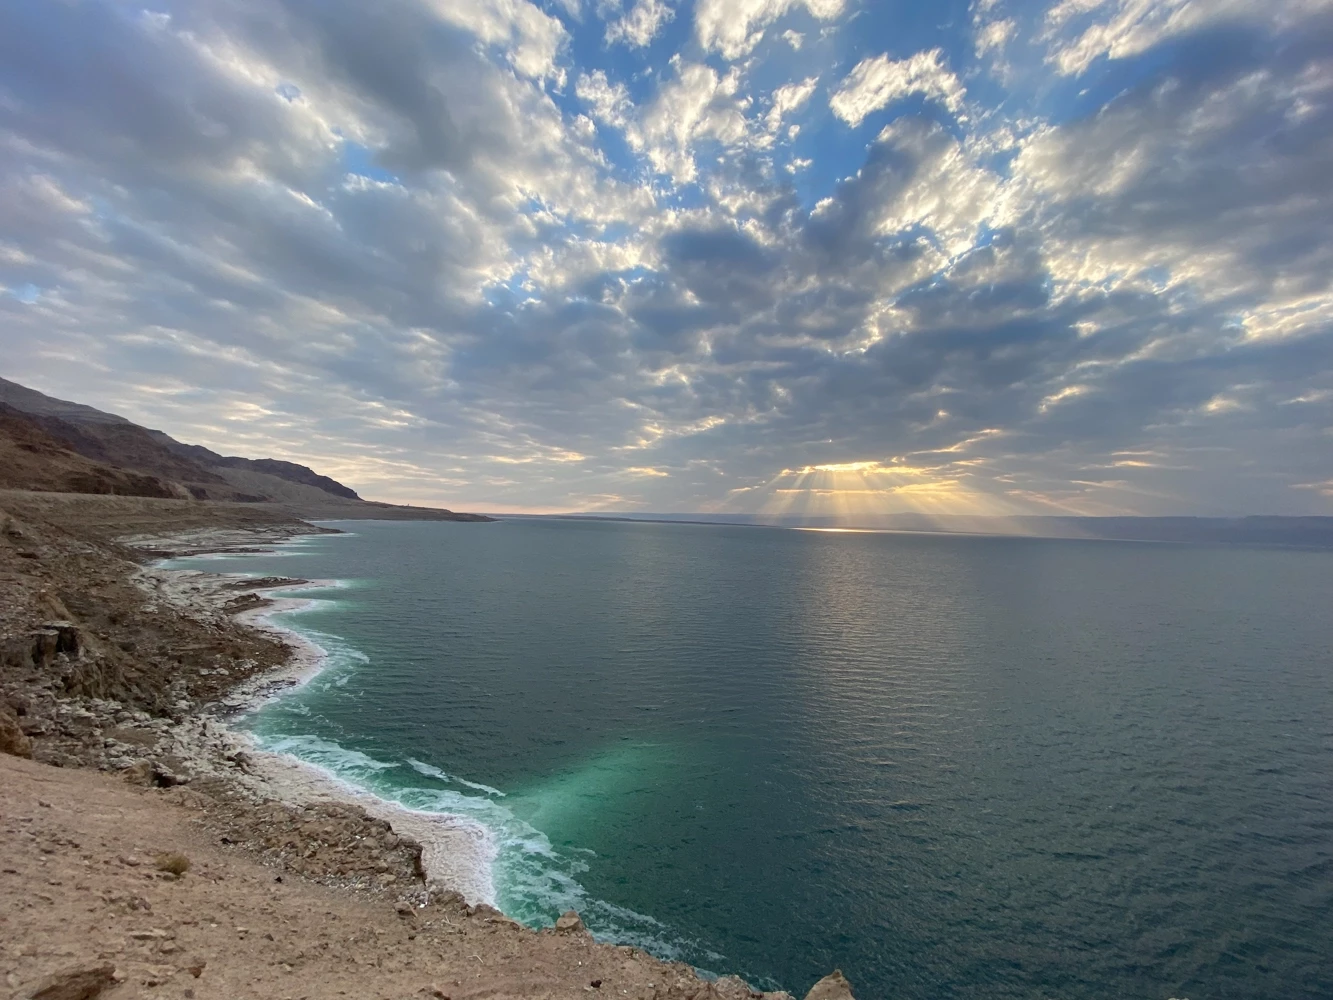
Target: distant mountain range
point(53, 445)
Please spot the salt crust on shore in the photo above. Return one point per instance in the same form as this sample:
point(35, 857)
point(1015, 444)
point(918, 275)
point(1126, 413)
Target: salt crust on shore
point(457, 852)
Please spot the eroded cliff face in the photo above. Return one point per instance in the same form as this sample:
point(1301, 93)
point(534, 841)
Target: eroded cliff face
point(82, 647)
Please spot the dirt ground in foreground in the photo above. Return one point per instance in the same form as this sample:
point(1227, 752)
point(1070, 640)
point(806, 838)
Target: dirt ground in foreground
point(79, 883)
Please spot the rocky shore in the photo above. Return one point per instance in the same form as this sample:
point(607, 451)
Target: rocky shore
point(121, 676)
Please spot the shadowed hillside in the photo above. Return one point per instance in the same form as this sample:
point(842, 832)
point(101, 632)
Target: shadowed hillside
point(57, 446)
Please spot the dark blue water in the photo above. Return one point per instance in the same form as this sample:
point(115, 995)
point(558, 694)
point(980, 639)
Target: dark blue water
point(952, 766)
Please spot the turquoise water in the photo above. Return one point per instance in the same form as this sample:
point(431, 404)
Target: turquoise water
point(952, 766)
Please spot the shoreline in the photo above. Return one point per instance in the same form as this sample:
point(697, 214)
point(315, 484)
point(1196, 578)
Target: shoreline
point(458, 852)
point(121, 681)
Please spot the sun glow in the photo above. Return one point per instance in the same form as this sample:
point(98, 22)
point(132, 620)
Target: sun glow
point(874, 494)
point(843, 467)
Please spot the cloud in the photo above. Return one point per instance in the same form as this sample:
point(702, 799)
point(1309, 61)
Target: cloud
point(734, 27)
point(992, 36)
point(530, 38)
point(1184, 175)
point(697, 103)
point(609, 102)
point(877, 82)
point(1135, 26)
point(788, 98)
point(641, 24)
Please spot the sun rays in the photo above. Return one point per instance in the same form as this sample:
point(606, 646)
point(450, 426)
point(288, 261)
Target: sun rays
point(867, 493)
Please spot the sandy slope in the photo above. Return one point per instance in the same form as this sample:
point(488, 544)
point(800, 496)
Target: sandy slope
point(78, 884)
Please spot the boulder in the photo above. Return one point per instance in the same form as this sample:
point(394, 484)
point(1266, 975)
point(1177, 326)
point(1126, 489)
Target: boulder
point(77, 982)
point(45, 643)
point(68, 639)
point(12, 739)
point(834, 987)
point(139, 773)
point(570, 923)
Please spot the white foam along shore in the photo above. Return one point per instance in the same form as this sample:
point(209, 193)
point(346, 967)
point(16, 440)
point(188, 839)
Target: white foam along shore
point(458, 852)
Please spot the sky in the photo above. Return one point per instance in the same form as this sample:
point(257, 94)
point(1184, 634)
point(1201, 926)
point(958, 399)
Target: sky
point(782, 257)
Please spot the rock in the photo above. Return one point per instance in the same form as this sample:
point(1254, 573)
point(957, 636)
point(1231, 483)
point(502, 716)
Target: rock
point(175, 770)
point(139, 773)
point(44, 645)
point(834, 987)
point(570, 923)
point(736, 988)
point(132, 737)
point(156, 975)
point(68, 639)
point(78, 982)
point(12, 738)
point(155, 773)
point(446, 898)
point(489, 914)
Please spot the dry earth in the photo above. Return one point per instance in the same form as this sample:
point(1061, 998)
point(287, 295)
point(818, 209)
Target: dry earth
point(81, 888)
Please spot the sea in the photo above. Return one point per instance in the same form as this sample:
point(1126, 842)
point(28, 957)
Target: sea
point(949, 765)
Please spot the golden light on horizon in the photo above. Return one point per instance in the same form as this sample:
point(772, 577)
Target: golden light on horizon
point(938, 487)
point(843, 467)
point(864, 494)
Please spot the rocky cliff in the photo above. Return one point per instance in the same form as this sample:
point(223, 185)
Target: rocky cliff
point(52, 444)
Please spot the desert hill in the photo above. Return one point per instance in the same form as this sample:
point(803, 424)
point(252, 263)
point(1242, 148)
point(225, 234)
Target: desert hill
point(31, 458)
point(59, 446)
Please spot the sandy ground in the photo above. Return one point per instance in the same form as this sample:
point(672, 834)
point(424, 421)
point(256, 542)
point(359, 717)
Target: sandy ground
point(79, 884)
